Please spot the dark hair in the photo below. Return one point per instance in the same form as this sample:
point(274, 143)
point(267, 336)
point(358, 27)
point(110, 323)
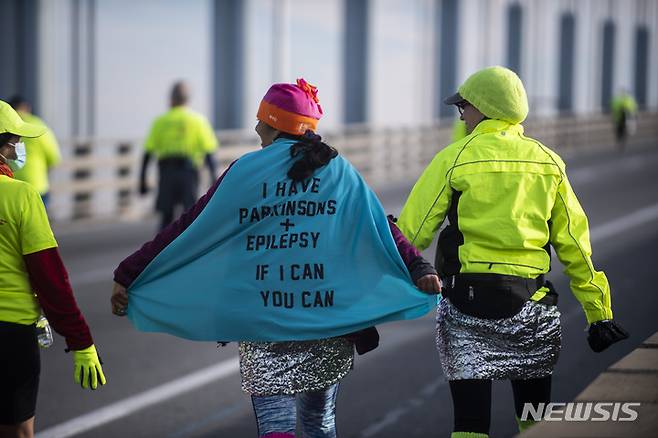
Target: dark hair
point(16, 100)
point(315, 154)
point(5, 137)
point(180, 93)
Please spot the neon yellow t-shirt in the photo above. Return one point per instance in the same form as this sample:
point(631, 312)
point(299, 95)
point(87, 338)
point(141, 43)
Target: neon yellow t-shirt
point(42, 154)
point(24, 229)
point(623, 104)
point(181, 132)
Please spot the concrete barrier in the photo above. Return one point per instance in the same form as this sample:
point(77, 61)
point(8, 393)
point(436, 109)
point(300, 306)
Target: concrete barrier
point(98, 177)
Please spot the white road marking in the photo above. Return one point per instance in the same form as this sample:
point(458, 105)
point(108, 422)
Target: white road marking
point(409, 405)
point(629, 164)
point(132, 404)
point(615, 227)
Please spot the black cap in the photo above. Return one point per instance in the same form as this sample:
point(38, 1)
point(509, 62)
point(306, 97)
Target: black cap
point(454, 99)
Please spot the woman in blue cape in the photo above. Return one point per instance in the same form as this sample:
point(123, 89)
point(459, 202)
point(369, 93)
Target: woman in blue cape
point(291, 254)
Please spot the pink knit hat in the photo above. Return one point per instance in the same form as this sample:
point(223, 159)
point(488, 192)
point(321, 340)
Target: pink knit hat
point(291, 108)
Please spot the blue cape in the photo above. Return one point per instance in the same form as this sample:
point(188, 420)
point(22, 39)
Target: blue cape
point(273, 260)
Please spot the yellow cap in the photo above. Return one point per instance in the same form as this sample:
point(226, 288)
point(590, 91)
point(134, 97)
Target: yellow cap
point(498, 93)
point(11, 122)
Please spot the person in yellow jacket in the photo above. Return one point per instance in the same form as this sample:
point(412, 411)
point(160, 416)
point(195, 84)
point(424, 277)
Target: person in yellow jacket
point(624, 112)
point(507, 200)
point(33, 280)
point(181, 140)
point(42, 152)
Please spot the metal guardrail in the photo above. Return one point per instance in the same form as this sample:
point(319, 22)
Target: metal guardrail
point(99, 177)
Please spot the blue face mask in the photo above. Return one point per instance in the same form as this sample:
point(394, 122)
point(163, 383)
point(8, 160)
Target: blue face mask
point(21, 156)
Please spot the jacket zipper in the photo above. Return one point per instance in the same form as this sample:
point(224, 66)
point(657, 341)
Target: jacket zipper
point(500, 263)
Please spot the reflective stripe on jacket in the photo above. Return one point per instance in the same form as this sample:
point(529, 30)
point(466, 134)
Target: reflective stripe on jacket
point(507, 197)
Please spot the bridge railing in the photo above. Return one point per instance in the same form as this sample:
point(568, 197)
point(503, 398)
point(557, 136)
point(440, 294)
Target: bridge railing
point(98, 177)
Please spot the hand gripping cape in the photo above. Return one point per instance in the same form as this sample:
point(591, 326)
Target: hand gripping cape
point(273, 260)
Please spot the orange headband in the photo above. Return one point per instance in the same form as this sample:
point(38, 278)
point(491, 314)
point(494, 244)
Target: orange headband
point(285, 121)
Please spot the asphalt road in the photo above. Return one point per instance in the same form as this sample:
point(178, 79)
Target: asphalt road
point(160, 386)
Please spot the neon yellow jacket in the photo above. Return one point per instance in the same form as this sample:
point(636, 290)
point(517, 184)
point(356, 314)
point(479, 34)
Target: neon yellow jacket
point(624, 104)
point(458, 130)
point(42, 154)
point(508, 197)
point(181, 132)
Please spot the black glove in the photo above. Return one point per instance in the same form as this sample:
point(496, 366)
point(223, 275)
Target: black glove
point(603, 334)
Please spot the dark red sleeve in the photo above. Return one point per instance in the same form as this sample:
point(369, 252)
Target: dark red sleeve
point(50, 282)
point(133, 265)
point(407, 251)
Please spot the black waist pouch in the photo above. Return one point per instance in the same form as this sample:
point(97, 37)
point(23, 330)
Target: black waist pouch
point(490, 296)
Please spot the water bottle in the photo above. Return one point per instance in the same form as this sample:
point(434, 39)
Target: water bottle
point(44, 333)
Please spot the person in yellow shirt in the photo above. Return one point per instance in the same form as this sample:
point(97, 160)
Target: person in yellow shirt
point(624, 117)
point(42, 152)
point(33, 280)
point(508, 201)
point(181, 140)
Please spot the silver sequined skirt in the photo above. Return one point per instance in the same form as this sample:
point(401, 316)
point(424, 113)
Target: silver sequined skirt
point(270, 368)
point(524, 346)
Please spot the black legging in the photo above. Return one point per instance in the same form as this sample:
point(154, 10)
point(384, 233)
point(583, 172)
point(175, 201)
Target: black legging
point(471, 400)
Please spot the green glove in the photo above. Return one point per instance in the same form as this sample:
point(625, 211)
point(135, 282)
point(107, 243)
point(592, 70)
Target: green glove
point(87, 370)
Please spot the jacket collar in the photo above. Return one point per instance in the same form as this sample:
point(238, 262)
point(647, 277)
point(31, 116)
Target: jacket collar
point(495, 125)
